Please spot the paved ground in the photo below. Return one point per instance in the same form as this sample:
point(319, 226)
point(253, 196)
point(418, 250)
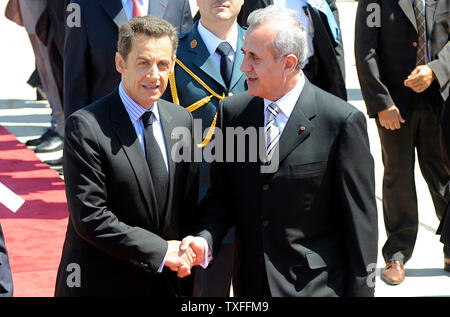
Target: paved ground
point(27, 118)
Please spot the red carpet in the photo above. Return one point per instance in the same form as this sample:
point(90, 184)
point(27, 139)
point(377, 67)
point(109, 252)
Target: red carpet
point(35, 233)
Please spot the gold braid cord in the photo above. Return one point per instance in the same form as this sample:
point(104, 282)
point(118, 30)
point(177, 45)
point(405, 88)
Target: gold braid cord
point(198, 104)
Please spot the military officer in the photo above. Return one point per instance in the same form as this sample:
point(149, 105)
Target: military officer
point(207, 70)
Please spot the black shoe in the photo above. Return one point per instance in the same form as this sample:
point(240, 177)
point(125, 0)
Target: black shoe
point(57, 162)
point(52, 144)
point(42, 138)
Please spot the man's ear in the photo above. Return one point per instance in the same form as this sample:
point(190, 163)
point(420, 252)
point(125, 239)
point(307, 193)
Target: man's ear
point(290, 63)
point(120, 63)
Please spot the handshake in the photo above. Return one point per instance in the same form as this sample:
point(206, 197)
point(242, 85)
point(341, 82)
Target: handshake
point(183, 255)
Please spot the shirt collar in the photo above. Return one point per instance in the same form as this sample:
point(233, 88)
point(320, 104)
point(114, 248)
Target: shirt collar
point(212, 42)
point(288, 101)
point(135, 111)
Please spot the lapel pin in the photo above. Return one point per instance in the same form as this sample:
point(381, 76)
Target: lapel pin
point(193, 44)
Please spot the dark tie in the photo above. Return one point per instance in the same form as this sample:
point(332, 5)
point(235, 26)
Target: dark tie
point(419, 12)
point(226, 65)
point(272, 130)
point(155, 161)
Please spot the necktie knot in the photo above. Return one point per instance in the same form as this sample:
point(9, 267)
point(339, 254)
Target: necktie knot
point(273, 109)
point(224, 49)
point(147, 118)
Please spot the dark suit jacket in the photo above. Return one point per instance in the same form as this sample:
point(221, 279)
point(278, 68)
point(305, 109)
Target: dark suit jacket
point(89, 52)
point(331, 72)
point(115, 234)
point(6, 282)
point(444, 228)
point(310, 228)
point(386, 55)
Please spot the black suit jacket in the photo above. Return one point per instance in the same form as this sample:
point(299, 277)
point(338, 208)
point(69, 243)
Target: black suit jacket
point(115, 233)
point(310, 228)
point(444, 228)
point(386, 54)
point(6, 282)
point(89, 51)
point(331, 68)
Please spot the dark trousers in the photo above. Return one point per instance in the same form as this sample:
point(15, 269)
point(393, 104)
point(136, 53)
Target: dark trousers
point(420, 132)
point(215, 280)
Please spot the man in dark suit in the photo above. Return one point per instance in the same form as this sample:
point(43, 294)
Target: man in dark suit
point(402, 55)
point(308, 228)
point(6, 282)
point(326, 64)
point(206, 71)
point(90, 46)
point(128, 198)
point(444, 228)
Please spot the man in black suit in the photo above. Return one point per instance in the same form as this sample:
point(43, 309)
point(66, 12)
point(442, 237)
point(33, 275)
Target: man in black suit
point(325, 66)
point(402, 53)
point(90, 46)
point(128, 198)
point(6, 282)
point(444, 228)
point(308, 228)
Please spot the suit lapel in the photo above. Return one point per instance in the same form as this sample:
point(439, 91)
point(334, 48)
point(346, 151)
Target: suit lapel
point(132, 148)
point(408, 9)
point(299, 126)
point(168, 126)
point(115, 10)
point(202, 59)
point(239, 57)
point(157, 8)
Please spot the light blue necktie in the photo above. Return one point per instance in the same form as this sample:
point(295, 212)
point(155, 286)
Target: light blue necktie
point(323, 6)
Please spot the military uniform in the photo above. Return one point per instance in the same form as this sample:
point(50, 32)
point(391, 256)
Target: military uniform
point(199, 85)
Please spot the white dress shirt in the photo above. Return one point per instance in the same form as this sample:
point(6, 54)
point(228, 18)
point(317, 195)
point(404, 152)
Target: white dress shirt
point(304, 17)
point(128, 7)
point(286, 104)
point(212, 42)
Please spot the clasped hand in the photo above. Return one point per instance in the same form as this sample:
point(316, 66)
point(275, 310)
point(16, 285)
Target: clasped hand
point(183, 255)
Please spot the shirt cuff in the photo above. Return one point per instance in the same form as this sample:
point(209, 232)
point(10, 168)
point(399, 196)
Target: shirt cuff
point(208, 252)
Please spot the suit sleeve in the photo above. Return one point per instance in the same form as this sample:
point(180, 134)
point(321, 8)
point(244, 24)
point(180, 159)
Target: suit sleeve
point(76, 61)
point(186, 20)
point(441, 69)
point(339, 48)
point(356, 189)
point(375, 93)
point(87, 199)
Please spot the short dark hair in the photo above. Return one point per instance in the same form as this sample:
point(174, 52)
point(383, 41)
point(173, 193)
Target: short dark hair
point(147, 25)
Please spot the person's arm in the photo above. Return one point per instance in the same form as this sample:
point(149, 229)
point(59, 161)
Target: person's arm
point(186, 19)
point(356, 192)
point(375, 93)
point(76, 64)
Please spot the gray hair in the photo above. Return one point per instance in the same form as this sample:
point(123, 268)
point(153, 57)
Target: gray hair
point(147, 25)
point(291, 38)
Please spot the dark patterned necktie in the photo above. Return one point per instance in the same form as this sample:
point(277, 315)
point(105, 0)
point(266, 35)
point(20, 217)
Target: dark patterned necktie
point(272, 130)
point(155, 161)
point(226, 65)
point(419, 12)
